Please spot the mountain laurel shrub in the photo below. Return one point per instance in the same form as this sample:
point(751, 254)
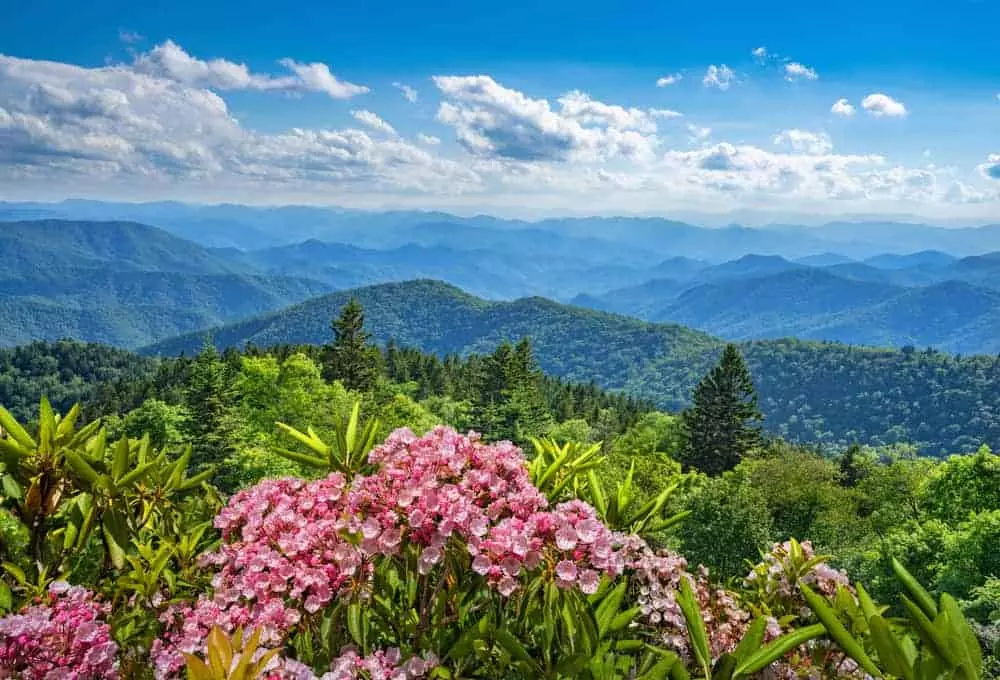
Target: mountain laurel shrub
point(438, 556)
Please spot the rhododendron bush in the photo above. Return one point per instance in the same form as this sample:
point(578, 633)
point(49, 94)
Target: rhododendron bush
point(435, 557)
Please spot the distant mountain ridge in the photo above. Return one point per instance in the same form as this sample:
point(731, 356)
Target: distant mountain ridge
point(167, 281)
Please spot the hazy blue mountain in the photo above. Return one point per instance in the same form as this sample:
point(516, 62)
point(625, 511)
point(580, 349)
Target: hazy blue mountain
point(250, 228)
point(824, 260)
point(790, 303)
point(641, 301)
point(925, 258)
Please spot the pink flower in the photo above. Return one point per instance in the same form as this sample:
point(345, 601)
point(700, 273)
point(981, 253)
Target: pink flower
point(566, 571)
point(63, 637)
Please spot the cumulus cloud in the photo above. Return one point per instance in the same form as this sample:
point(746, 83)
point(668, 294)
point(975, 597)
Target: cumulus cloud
point(760, 53)
point(409, 93)
point(882, 105)
point(164, 126)
point(843, 108)
point(170, 61)
point(667, 81)
point(991, 168)
point(494, 121)
point(721, 77)
point(116, 122)
point(698, 134)
point(373, 121)
point(804, 141)
point(795, 71)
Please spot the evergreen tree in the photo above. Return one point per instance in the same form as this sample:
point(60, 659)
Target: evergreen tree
point(851, 471)
point(351, 358)
point(207, 397)
point(723, 424)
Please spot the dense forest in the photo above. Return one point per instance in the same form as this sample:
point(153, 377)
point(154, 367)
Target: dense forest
point(706, 487)
point(827, 393)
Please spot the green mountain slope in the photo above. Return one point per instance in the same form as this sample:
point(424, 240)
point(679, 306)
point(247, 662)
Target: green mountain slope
point(27, 247)
point(125, 284)
point(810, 391)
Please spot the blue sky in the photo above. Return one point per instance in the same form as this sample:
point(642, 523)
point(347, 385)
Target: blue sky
point(519, 108)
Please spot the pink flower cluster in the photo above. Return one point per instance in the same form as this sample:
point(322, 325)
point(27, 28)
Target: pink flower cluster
point(381, 665)
point(570, 540)
point(62, 637)
point(438, 486)
point(287, 553)
point(291, 547)
point(657, 578)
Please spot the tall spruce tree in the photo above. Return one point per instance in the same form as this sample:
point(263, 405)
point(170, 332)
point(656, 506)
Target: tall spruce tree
point(208, 400)
point(351, 359)
point(723, 425)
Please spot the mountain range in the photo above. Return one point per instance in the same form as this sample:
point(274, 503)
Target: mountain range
point(131, 284)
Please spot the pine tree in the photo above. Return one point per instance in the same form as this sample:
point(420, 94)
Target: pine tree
point(851, 471)
point(207, 397)
point(723, 424)
point(351, 358)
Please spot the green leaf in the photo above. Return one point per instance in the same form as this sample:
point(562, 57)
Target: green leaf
point(514, 647)
point(695, 627)
point(776, 649)
point(14, 430)
point(303, 458)
point(120, 459)
point(890, 651)
point(597, 493)
point(837, 630)
point(752, 639)
point(608, 609)
point(115, 536)
point(83, 469)
point(917, 591)
point(6, 598)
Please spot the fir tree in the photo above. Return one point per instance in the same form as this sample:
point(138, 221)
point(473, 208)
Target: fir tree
point(723, 424)
point(351, 358)
point(207, 397)
point(851, 471)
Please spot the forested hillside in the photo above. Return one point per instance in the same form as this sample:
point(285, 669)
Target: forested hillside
point(824, 392)
point(125, 284)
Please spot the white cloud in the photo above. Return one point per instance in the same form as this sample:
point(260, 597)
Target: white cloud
point(122, 124)
point(134, 131)
point(494, 121)
point(170, 61)
point(667, 81)
point(991, 168)
point(804, 141)
point(665, 113)
point(760, 53)
point(373, 121)
point(409, 93)
point(796, 71)
point(129, 37)
point(842, 107)
point(880, 105)
point(721, 77)
point(697, 134)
